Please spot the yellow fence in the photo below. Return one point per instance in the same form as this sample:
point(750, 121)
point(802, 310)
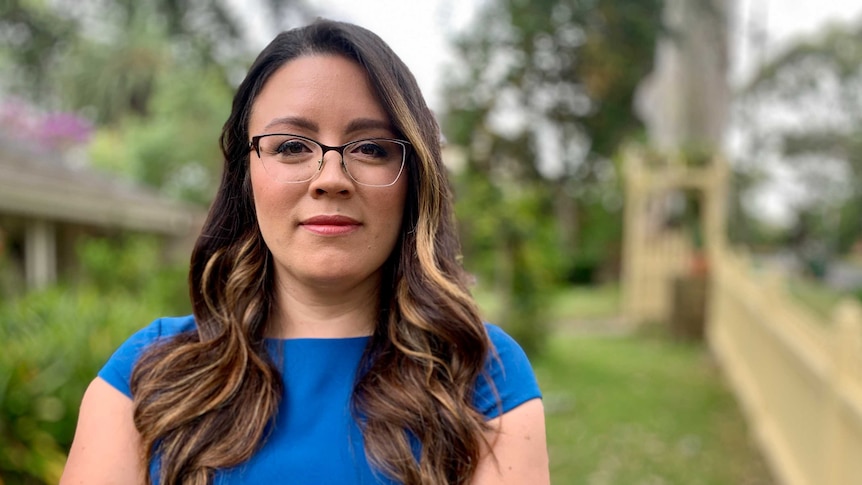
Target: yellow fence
point(797, 375)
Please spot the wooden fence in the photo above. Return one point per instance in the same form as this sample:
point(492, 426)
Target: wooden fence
point(796, 374)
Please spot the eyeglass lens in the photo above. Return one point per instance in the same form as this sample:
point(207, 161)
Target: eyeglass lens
point(294, 159)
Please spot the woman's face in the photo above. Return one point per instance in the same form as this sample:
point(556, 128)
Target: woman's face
point(330, 232)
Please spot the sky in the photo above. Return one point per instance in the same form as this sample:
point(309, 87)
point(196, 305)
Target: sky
point(764, 28)
point(418, 31)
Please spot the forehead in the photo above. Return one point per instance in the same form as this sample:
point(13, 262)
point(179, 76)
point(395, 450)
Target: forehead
point(326, 91)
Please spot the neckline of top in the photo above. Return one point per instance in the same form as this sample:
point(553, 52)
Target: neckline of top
point(361, 338)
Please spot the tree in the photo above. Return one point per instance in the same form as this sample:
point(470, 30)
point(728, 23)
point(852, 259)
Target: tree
point(175, 146)
point(114, 47)
point(804, 111)
point(541, 101)
point(155, 77)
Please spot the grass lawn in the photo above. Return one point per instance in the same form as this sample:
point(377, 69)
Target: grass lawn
point(635, 410)
point(642, 410)
point(585, 302)
point(575, 302)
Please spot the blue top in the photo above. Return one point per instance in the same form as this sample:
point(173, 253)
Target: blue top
point(315, 439)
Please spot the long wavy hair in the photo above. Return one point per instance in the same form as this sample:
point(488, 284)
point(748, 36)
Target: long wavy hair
point(203, 400)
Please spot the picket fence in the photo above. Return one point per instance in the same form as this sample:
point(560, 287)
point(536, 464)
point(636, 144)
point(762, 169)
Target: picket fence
point(796, 374)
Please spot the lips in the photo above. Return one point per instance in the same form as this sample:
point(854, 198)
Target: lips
point(325, 225)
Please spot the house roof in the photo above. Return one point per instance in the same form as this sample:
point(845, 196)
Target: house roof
point(33, 184)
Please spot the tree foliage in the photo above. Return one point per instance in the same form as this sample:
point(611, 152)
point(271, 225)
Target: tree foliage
point(175, 147)
point(540, 101)
point(155, 77)
point(556, 72)
point(804, 109)
point(105, 53)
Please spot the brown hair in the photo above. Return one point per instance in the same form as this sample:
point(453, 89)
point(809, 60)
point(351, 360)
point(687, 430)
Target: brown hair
point(203, 400)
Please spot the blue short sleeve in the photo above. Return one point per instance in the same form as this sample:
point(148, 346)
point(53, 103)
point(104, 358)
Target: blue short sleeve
point(118, 370)
point(508, 368)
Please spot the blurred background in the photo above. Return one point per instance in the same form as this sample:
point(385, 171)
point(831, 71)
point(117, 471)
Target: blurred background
point(660, 199)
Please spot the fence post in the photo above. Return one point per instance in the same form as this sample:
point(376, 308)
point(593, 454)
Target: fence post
point(633, 237)
point(715, 214)
point(847, 321)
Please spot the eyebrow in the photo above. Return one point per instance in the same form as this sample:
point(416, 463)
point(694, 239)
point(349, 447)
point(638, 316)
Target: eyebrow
point(358, 124)
point(300, 122)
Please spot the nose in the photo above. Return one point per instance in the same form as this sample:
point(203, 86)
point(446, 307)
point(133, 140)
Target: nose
point(331, 177)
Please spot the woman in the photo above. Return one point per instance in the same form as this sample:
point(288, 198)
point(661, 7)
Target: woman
point(333, 338)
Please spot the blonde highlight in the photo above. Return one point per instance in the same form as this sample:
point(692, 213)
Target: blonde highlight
point(193, 390)
point(431, 350)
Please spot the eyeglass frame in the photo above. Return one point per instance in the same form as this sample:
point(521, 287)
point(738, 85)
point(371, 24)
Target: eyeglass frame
point(254, 144)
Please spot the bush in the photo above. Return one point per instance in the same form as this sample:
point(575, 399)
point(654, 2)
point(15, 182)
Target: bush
point(55, 341)
point(511, 245)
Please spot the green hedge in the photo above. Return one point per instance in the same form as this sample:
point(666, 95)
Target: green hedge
point(55, 341)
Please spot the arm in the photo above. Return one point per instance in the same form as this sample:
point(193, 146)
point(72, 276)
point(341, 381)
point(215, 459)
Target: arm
point(105, 450)
point(519, 453)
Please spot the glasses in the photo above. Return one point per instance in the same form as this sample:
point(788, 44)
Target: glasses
point(293, 159)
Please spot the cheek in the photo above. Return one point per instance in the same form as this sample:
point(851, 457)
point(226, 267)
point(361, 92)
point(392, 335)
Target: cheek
point(258, 195)
point(269, 201)
point(395, 214)
point(254, 181)
point(266, 192)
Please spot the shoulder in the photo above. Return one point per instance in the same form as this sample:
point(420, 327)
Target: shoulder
point(506, 354)
point(118, 370)
point(501, 341)
point(507, 380)
point(165, 327)
point(513, 408)
point(106, 444)
point(159, 329)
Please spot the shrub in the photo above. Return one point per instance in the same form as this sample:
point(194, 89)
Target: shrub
point(54, 343)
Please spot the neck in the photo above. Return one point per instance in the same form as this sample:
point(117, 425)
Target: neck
point(323, 312)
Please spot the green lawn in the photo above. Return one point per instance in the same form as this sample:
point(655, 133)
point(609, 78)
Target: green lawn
point(566, 304)
point(585, 302)
point(642, 410)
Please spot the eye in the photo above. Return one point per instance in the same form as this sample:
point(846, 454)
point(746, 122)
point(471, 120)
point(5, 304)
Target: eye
point(369, 149)
point(291, 147)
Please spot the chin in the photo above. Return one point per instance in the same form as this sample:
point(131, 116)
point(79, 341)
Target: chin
point(332, 275)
